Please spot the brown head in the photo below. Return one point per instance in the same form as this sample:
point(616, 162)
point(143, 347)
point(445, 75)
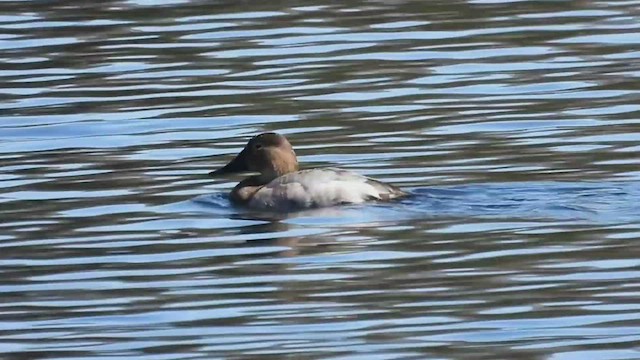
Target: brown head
point(268, 154)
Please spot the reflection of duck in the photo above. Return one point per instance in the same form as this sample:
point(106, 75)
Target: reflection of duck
point(281, 186)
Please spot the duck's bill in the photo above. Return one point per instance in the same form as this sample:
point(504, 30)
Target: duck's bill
point(237, 165)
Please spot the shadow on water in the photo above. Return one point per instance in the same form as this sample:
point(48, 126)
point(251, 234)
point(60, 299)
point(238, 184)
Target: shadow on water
point(604, 203)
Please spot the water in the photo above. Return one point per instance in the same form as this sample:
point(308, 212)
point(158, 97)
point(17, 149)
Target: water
point(514, 125)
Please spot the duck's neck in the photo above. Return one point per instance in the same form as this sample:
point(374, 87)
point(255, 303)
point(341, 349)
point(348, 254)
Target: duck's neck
point(244, 191)
point(281, 162)
point(286, 163)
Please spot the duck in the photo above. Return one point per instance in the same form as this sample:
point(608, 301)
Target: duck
point(279, 184)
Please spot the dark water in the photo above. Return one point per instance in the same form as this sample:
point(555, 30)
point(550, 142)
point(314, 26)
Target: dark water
point(514, 124)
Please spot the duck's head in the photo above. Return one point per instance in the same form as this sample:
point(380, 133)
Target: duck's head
point(268, 154)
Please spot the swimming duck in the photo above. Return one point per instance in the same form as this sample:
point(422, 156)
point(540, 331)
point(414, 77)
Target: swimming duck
point(279, 184)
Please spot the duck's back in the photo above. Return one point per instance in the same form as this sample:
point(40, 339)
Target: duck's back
point(320, 188)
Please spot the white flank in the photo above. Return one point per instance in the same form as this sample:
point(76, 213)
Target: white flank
point(316, 188)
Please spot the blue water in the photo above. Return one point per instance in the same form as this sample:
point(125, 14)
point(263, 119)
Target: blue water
point(513, 125)
point(587, 203)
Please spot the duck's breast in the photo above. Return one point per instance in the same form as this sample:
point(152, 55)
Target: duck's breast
point(320, 188)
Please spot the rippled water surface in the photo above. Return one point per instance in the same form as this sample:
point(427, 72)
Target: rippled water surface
point(515, 125)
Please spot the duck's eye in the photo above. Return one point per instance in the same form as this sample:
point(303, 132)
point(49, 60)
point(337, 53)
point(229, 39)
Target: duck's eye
point(258, 146)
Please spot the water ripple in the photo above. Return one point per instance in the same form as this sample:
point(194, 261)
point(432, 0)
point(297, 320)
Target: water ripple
point(513, 124)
